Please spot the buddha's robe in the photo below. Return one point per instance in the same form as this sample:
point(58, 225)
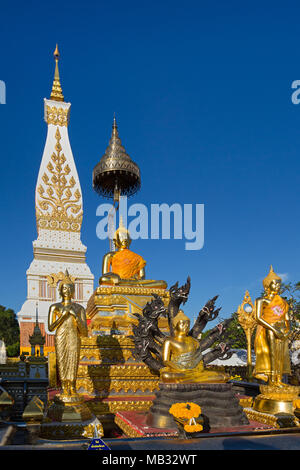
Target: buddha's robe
point(71, 321)
point(274, 314)
point(188, 367)
point(67, 345)
point(126, 263)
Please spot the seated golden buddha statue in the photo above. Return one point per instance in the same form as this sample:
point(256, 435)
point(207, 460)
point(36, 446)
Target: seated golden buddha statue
point(123, 266)
point(183, 359)
point(272, 333)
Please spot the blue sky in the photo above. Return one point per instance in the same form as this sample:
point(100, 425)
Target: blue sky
point(202, 94)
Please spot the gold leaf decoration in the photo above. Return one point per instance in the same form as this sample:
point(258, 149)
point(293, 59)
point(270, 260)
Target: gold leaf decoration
point(57, 116)
point(59, 196)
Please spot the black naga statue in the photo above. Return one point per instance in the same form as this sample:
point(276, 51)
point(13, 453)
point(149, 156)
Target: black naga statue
point(148, 338)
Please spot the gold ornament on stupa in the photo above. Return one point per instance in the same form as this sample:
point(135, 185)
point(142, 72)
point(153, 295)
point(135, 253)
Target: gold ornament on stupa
point(56, 93)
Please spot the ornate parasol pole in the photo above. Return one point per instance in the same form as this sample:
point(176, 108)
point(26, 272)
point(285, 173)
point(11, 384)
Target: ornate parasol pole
point(116, 174)
point(246, 318)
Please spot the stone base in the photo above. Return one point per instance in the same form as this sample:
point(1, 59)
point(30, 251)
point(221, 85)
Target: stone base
point(219, 405)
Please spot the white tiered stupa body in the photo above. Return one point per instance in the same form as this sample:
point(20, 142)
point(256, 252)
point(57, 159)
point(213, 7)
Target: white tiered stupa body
point(59, 211)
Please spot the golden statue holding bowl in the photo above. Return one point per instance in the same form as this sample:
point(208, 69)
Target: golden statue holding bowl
point(272, 351)
point(272, 333)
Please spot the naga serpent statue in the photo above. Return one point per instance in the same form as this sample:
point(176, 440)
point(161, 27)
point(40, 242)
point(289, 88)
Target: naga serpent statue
point(148, 338)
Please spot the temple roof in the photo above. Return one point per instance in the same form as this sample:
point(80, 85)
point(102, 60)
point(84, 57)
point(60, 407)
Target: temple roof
point(37, 338)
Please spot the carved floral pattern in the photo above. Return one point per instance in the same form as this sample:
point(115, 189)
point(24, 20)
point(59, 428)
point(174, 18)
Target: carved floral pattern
point(58, 195)
point(57, 116)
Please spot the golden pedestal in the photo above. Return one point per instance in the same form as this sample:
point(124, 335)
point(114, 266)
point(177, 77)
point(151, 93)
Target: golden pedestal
point(108, 374)
point(111, 309)
point(274, 405)
point(274, 399)
point(70, 419)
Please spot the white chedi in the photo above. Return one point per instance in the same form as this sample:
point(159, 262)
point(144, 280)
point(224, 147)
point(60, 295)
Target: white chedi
point(59, 212)
point(3, 355)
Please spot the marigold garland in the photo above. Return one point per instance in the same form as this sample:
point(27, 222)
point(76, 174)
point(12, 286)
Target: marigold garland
point(193, 427)
point(185, 410)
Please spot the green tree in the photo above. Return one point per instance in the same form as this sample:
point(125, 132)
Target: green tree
point(235, 334)
point(291, 293)
point(9, 331)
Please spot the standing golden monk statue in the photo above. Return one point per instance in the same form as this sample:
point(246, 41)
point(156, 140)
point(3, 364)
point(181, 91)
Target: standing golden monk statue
point(272, 314)
point(272, 333)
point(182, 357)
point(69, 320)
point(68, 416)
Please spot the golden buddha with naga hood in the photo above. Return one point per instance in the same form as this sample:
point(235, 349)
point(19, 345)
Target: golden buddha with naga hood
point(182, 357)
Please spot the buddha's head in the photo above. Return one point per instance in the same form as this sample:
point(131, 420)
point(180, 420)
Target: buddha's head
point(67, 287)
point(272, 283)
point(122, 237)
point(181, 323)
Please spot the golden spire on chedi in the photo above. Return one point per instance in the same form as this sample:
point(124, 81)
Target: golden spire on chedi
point(56, 93)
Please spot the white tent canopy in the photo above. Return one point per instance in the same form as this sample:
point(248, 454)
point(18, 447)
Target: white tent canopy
point(238, 358)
